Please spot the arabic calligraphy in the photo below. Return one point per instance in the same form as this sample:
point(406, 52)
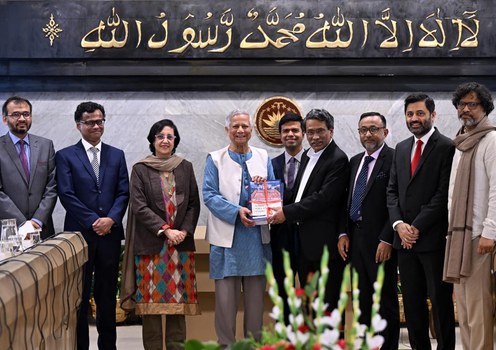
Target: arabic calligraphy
point(277, 28)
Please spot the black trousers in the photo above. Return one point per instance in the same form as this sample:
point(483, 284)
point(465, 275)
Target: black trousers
point(363, 262)
point(421, 275)
point(103, 261)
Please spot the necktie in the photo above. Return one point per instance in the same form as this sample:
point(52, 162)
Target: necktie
point(94, 162)
point(359, 193)
point(291, 172)
point(24, 159)
point(416, 157)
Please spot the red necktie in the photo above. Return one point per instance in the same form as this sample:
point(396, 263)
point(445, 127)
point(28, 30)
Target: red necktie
point(416, 157)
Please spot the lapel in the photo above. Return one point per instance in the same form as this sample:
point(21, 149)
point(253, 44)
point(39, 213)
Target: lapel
point(83, 157)
point(377, 167)
point(14, 156)
point(104, 157)
point(35, 155)
point(353, 173)
point(279, 168)
point(299, 174)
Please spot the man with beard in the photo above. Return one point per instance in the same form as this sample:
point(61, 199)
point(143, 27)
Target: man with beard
point(318, 201)
point(27, 170)
point(369, 230)
point(472, 220)
point(286, 167)
point(417, 199)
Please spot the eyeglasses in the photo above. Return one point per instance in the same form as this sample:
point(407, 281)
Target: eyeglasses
point(318, 132)
point(373, 130)
point(92, 123)
point(17, 115)
point(162, 137)
point(470, 105)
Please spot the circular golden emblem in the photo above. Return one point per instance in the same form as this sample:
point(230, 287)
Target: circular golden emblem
point(268, 115)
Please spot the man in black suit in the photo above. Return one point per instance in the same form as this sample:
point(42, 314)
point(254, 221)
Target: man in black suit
point(418, 211)
point(369, 230)
point(317, 202)
point(286, 167)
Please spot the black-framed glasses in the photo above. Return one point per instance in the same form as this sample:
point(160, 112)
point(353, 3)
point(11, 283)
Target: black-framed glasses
point(471, 105)
point(373, 130)
point(17, 115)
point(92, 123)
point(162, 137)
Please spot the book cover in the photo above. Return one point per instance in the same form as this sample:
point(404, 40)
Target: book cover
point(265, 197)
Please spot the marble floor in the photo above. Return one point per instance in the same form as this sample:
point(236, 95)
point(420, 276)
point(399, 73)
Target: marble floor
point(129, 338)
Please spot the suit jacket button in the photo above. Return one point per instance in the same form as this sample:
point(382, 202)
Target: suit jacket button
point(100, 208)
point(99, 191)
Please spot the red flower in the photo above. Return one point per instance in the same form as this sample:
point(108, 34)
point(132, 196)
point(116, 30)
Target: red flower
point(267, 347)
point(316, 346)
point(284, 345)
point(299, 292)
point(303, 328)
point(341, 343)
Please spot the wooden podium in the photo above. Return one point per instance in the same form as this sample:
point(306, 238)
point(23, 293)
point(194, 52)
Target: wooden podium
point(40, 290)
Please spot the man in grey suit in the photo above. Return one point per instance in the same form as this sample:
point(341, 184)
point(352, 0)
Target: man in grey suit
point(27, 170)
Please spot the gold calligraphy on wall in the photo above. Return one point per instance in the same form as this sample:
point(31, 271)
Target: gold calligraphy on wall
point(279, 29)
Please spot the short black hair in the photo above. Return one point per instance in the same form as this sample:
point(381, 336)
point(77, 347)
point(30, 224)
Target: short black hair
point(482, 92)
point(17, 100)
point(321, 115)
point(290, 117)
point(374, 114)
point(87, 107)
point(157, 128)
point(429, 102)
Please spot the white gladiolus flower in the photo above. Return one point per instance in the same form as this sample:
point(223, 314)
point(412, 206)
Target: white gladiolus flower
point(329, 337)
point(315, 304)
point(302, 337)
point(299, 319)
point(361, 328)
point(279, 327)
point(335, 318)
point(276, 312)
point(324, 320)
point(375, 342)
point(296, 302)
point(358, 343)
point(379, 323)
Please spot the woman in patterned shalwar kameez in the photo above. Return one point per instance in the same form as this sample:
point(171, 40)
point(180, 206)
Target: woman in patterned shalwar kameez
point(164, 210)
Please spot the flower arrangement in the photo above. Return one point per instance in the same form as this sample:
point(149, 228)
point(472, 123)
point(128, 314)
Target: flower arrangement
point(311, 326)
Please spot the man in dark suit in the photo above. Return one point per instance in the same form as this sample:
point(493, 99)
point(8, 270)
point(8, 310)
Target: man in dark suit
point(27, 170)
point(317, 202)
point(369, 230)
point(93, 187)
point(286, 165)
point(418, 211)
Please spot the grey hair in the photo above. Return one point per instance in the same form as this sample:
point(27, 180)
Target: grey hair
point(235, 113)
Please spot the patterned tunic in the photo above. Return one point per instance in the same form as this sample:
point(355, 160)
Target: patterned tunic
point(166, 281)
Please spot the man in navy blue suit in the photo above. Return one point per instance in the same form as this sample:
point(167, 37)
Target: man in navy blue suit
point(93, 187)
point(286, 167)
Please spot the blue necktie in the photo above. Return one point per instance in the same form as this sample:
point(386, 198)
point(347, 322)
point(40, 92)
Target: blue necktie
point(359, 193)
